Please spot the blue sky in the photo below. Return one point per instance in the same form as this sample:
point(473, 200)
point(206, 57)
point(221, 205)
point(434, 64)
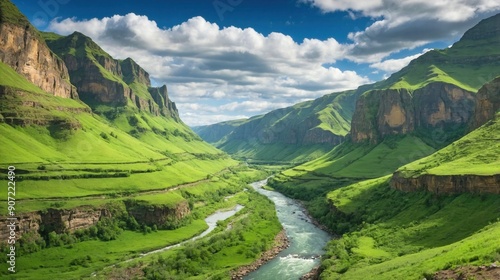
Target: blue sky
point(228, 59)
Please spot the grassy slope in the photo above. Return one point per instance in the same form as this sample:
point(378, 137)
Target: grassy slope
point(365, 161)
point(170, 156)
point(475, 153)
point(222, 192)
point(469, 64)
point(394, 235)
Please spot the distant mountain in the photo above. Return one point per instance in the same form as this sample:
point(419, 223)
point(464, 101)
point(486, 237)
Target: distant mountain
point(297, 133)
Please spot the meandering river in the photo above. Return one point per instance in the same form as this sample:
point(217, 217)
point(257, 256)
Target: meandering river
point(306, 240)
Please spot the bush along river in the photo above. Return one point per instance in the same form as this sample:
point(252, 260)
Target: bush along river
point(306, 240)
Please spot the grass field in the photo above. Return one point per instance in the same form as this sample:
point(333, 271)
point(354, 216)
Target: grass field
point(83, 258)
point(475, 153)
point(395, 235)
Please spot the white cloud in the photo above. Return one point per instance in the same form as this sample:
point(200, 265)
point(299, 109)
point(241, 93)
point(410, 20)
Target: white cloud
point(393, 65)
point(406, 24)
point(198, 60)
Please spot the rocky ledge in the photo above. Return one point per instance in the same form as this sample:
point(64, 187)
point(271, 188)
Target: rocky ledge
point(281, 242)
point(448, 184)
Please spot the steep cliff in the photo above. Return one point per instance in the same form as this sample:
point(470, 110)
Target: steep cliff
point(487, 103)
point(448, 184)
point(83, 217)
point(103, 80)
point(22, 48)
point(161, 215)
point(434, 108)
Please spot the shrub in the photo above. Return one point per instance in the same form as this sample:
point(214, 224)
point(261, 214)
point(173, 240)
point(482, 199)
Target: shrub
point(104, 136)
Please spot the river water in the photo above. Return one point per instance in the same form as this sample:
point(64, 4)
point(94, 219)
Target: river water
point(306, 241)
point(212, 224)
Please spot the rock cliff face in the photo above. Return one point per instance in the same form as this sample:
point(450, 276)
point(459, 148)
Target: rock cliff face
point(166, 106)
point(23, 49)
point(155, 214)
point(62, 220)
point(101, 79)
point(435, 106)
point(448, 184)
point(55, 220)
point(487, 103)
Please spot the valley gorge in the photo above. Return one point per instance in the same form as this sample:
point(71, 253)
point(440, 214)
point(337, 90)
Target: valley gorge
point(110, 183)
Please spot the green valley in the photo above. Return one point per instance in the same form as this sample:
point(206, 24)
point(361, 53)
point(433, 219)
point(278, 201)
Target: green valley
point(396, 179)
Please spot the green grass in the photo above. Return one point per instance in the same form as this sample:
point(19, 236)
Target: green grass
point(43, 264)
point(395, 235)
point(11, 78)
point(475, 153)
point(364, 160)
point(10, 14)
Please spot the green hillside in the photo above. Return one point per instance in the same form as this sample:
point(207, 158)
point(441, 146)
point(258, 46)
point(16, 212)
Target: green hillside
point(116, 170)
point(73, 146)
point(469, 63)
point(294, 134)
point(393, 234)
point(390, 234)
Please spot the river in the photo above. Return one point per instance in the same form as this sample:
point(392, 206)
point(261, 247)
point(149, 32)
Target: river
point(306, 240)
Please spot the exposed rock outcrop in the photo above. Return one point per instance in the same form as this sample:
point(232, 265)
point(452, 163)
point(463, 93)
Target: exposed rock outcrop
point(166, 106)
point(22, 48)
point(101, 79)
point(157, 214)
point(447, 184)
point(487, 103)
point(64, 220)
point(57, 220)
point(436, 106)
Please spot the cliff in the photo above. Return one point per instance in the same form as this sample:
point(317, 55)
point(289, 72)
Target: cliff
point(487, 103)
point(22, 48)
point(448, 184)
point(433, 108)
point(103, 80)
point(160, 215)
point(57, 220)
point(70, 220)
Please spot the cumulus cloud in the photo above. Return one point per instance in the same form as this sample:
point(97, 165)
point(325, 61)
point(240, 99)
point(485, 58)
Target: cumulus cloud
point(406, 24)
point(393, 65)
point(200, 61)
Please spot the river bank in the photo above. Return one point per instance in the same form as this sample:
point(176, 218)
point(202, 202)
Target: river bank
point(281, 242)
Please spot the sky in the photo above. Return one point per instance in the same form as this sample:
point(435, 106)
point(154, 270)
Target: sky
point(232, 59)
